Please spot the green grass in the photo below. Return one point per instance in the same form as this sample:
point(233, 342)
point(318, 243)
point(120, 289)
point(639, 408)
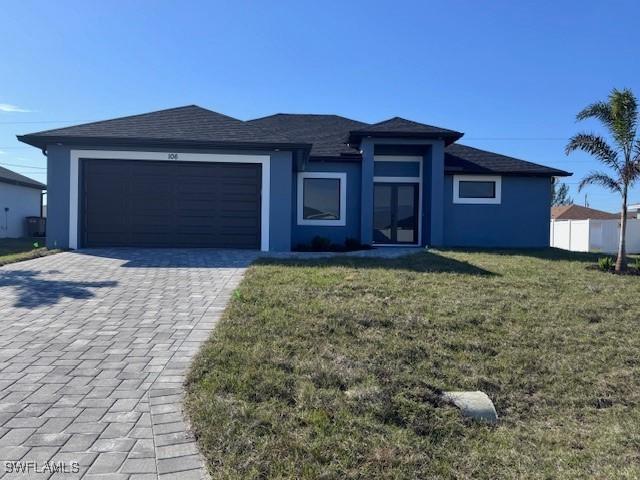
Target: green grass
point(331, 369)
point(17, 249)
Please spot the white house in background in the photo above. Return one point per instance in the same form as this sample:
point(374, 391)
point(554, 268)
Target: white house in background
point(582, 229)
point(20, 197)
point(634, 209)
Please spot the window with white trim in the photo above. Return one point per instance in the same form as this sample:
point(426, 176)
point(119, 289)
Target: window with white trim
point(477, 189)
point(322, 198)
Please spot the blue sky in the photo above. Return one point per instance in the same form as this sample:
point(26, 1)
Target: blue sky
point(511, 75)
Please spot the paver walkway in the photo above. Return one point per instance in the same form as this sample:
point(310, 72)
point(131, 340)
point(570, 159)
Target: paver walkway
point(94, 346)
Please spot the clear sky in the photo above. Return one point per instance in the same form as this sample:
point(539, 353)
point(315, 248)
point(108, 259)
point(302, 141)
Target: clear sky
point(511, 75)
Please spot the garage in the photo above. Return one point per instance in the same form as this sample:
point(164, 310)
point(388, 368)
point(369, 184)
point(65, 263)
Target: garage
point(145, 203)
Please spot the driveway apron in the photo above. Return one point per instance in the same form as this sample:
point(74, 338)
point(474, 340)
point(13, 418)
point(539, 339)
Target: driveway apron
point(94, 347)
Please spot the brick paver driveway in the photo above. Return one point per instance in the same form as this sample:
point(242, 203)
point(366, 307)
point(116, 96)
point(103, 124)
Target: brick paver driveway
point(94, 346)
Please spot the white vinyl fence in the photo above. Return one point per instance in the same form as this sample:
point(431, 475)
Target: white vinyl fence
point(594, 235)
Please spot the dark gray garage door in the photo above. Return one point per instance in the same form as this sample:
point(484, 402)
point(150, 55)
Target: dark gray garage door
point(170, 204)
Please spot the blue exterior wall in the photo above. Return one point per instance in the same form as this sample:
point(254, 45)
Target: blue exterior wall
point(280, 202)
point(436, 209)
point(426, 199)
point(432, 215)
point(396, 169)
point(366, 191)
point(58, 196)
point(521, 219)
point(303, 234)
point(58, 174)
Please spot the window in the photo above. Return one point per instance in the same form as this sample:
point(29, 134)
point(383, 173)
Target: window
point(467, 189)
point(322, 198)
point(477, 189)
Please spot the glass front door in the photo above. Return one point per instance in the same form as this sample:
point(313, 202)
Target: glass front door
point(395, 213)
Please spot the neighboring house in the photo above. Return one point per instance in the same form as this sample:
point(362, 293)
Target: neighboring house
point(578, 212)
point(192, 177)
point(634, 210)
point(583, 229)
point(20, 197)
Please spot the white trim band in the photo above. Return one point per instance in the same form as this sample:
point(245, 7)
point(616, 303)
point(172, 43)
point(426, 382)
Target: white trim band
point(418, 180)
point(477, 178)
point(342, 221)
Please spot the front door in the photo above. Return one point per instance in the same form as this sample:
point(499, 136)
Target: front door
point(395, 213)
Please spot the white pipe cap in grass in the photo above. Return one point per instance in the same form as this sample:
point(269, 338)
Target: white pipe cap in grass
point(476, 405)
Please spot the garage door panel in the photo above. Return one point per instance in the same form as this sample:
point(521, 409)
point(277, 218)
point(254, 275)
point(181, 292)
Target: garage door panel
point(167, 204)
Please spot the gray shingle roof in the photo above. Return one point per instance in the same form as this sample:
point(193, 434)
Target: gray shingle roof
point(578, 212)
point(9, 176)
point(463, 159)
point(401, 127)
point(327, 136)
point(327, 133)
point(183, 124)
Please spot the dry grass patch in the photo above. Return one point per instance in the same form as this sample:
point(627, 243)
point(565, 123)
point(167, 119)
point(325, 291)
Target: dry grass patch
point(18, 249)
point(332, 369)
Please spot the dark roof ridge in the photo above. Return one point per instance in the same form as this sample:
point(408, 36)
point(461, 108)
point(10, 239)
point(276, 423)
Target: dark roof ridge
point(125, 117)
point(413, 122)
point(15, 178)
point(289, 114)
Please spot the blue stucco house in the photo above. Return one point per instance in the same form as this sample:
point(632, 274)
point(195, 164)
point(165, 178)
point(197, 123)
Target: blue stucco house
point(189, 176)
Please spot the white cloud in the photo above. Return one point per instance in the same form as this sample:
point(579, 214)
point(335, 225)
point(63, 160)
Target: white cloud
point(2, 152)
point(7, 107)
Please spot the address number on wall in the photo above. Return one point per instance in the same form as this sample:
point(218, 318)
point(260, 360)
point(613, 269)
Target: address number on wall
point(173, 156)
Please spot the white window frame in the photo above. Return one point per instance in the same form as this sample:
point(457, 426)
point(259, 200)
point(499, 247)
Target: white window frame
point(74, 180)
point(417, 180)
point(477, 178)
point(342, 221)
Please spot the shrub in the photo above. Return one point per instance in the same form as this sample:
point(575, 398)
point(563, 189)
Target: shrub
point(320, 244)
point(302, 247)
point(352, 244)
point(636, 264)
point(606, 264)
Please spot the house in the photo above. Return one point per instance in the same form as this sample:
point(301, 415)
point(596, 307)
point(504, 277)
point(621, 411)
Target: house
point(583, 229)
point(20, 197)
point(634, 210)
point(191, 177)
point(578, 212)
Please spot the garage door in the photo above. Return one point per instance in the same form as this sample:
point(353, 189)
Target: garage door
point(170, 204)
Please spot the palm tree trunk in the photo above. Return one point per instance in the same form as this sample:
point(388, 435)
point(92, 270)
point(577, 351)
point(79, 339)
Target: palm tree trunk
point(621, 261)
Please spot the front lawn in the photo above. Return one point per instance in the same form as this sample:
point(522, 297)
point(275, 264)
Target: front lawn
point(18, 249)
point(331, 369)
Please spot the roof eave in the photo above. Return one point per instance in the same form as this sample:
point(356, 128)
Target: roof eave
point(449, 138)
point(487, 171)
point(42, 142)
point(35, 185)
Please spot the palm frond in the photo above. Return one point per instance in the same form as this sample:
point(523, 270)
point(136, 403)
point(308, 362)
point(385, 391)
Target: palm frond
point(602, 179)
point(594, 145)
point(598, 110)
point(624, 116)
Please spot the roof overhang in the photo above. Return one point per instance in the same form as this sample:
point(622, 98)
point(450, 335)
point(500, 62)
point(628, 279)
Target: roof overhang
point(42, 141)
point(34, 185)
point(489, 171)
point(356, 136)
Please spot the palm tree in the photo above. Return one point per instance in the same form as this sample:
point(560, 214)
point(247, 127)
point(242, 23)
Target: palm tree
point(619, 114)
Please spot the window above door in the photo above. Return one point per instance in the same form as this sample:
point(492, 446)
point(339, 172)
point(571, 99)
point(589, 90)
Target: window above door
point(322, 199)
point(477, 189)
